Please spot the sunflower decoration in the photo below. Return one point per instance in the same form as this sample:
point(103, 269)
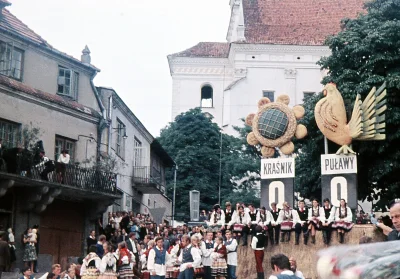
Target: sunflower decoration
point(274, 126)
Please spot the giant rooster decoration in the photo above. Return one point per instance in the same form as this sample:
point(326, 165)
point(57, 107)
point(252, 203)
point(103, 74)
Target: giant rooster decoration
point(367, 120)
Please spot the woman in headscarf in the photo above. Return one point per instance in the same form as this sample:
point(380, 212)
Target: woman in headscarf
point(91, 264)
point(125, 259)
point(108, 266)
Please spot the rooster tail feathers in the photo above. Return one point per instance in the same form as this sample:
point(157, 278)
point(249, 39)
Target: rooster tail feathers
point(368, 117)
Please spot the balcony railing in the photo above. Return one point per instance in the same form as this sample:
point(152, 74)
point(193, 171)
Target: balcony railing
point(148, 175)
point(73, 175)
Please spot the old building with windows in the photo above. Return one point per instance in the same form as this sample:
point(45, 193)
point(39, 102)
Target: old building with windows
point(271, 48)
point(141, 159)
point(49, 103)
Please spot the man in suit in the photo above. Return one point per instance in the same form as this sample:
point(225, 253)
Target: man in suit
point(4, 253)
point(395, 215)
point(91, 240)
point(99, 245)
point(132, 245)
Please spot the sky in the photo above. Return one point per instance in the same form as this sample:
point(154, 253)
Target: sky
point(129, 41)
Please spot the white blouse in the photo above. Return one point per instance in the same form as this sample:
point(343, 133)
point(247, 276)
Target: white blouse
point(64, 159)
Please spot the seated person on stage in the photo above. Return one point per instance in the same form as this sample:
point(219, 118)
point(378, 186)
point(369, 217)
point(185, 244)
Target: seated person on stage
point(255, 219)
point(240, 223)
point(228, 212)
point(302, 225)
point(326, 226)
point(343, 220)
point(316, 217)
point(274, 227)
point(288, 218)
point(217, 219)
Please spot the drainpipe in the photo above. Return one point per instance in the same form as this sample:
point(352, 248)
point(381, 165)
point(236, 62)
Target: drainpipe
point(103, 121)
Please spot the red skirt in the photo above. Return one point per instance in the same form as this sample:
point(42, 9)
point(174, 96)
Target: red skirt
point(286, 226)
point(343, 225)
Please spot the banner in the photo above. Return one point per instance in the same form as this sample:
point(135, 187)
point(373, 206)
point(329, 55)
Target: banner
point(339, 178)
point(277, 181)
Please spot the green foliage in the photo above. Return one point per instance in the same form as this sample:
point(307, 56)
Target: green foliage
point(365, 54)
point(29, 135)
point(194, 141)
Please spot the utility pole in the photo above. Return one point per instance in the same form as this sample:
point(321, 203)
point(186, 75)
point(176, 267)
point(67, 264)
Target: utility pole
point(173, 199)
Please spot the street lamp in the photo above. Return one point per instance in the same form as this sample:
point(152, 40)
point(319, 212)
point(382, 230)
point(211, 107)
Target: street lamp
point(173, 199)
point(122, 128)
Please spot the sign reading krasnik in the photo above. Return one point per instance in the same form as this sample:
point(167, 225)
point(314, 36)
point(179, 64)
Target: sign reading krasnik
point(339, 178)
point(277, 181)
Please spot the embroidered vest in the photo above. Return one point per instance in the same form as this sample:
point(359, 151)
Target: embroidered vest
point(253, 215)
point(261, 240)
point(327, 212)
point(229, 242)
point(315, 212)
point(275, 215)
point(187, 255)
point(228, 216)
point(342, 212)
point(209, 245)
point(303, 215)
point(287, 216)
point(160, 256)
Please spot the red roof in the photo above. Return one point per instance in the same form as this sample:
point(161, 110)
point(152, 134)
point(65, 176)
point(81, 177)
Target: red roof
point(296, 22)
point(206, 50)
point(19, 86)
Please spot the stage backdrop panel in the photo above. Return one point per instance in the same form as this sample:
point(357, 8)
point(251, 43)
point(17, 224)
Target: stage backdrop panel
point(277, 181)
point(339, 178)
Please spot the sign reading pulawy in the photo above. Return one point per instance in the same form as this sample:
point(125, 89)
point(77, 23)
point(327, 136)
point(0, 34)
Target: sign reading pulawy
point(339, 178)
point(277, 181)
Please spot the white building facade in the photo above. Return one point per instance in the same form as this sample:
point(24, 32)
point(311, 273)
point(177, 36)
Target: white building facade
point(272, 48)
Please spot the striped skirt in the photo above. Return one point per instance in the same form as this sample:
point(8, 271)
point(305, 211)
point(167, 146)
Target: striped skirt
point(219, 267)
point(286, 226)
point(343, 225)
point(126, 272)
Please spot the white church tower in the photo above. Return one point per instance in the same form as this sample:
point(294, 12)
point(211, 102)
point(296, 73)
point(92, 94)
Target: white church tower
point(272, 48)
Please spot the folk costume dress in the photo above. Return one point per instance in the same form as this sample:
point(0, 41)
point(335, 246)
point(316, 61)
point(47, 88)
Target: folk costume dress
point(217, 220)
point(343, 219)
point(257, 244)
point(287, 219)
point(316, 216)
point(108, 267)
point(274, 226)
point(125, 258)
point(219, 265)
point(90, 266)
point(171, 266)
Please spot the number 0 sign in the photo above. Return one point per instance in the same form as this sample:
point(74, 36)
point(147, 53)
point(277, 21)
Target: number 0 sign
point(339, 179)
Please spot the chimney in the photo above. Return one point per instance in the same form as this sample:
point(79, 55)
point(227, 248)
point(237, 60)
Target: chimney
point(85, 57)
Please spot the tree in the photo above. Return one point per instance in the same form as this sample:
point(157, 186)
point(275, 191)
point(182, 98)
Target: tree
point(364, 54)
point(194, 141)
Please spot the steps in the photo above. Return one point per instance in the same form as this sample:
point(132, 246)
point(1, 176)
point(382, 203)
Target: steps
point(306, 255)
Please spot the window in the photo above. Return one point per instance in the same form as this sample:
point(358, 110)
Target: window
point(270, 95)
point(206, 96)
point(10, 60)
point(154, 204)
point(308, 94)
point(67, 82)
point(120, 143)
point(138, 153)
point(148, 202)
point(64, 143)
point(9, 133)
